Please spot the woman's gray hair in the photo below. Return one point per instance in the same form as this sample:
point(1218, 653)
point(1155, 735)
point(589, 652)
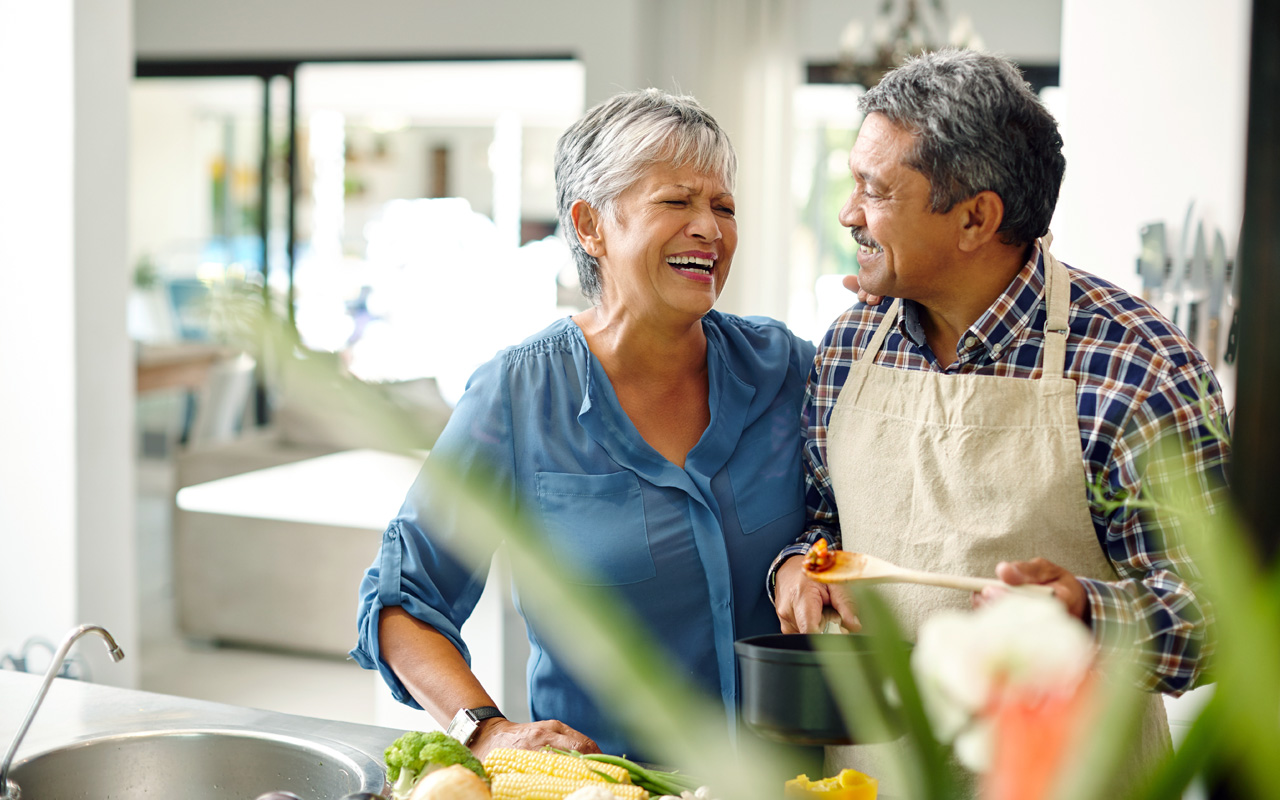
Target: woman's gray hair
point(604, 153)
point(978, 127)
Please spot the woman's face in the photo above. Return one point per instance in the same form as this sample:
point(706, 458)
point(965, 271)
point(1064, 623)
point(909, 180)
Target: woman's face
point(667, 247)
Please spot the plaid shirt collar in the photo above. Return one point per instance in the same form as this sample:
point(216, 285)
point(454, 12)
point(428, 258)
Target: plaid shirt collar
point(996, 329)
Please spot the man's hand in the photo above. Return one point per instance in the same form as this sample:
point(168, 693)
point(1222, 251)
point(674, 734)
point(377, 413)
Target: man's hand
point(851, 283)
point(800, 601)
point(1046, 573)
point(499, 732)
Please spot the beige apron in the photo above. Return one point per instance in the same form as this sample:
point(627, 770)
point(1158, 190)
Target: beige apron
point(953, 473)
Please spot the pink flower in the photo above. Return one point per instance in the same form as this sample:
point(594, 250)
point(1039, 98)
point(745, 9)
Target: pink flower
point(1034, 730)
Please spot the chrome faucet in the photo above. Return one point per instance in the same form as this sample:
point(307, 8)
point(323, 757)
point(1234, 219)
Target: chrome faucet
point(8, 789)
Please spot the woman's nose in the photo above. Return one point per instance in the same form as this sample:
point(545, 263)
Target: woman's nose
point(704, 226)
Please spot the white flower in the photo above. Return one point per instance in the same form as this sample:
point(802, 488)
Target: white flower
point(962, 658)
point(973, 745)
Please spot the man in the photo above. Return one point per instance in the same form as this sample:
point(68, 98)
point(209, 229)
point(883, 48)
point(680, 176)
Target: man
point(953, 423)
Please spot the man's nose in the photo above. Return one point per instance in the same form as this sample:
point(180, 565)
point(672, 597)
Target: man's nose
point(851, 213)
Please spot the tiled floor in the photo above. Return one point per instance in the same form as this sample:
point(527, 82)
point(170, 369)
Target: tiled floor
point(316, 687)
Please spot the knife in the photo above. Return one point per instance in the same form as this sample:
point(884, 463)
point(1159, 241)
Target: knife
point(1197, 290)
point(1153, 260)
point(1172, 294)
point(1233, 300)
point(1217, 285)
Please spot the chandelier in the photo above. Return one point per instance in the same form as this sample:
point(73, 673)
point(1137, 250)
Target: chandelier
point(901, 28)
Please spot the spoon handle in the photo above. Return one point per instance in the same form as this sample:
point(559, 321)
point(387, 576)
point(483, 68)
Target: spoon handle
point(968, 584)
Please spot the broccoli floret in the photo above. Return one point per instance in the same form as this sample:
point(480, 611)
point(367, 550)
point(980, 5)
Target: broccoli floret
point(417, 753)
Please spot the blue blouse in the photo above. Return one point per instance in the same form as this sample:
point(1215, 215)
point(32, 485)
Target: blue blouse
point(688, 549)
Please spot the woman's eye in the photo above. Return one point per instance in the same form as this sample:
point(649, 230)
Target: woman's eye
point(675, 202)
point(726, 210)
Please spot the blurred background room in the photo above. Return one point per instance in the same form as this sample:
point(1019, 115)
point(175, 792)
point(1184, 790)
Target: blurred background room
point(380, 174)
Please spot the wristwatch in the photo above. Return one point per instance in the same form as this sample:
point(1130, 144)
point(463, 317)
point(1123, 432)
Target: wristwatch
point(464, 724)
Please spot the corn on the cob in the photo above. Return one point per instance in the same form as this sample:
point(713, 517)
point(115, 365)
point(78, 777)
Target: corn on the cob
point(537, 786)
point(508, 759)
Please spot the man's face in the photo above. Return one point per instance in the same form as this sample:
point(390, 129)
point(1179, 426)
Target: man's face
point(904, 248)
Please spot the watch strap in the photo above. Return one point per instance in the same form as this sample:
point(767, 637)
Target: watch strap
point(481, 713)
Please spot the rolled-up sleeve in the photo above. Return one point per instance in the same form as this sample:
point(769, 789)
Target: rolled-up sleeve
point(426, 563)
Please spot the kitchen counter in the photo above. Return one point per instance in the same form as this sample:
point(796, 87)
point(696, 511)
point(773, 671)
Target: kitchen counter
point(74, 710)
point(324, 516)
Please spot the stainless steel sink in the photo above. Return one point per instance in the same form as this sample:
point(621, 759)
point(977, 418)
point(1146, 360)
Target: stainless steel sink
point(197, 764)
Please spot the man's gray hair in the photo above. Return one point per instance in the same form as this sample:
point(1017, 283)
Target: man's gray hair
point(978, 127)
point(604, 153)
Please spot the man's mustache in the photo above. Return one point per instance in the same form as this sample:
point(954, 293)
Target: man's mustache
point(860, 236)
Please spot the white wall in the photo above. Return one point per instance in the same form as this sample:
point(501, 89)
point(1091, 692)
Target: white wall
point(1153, 118)
point(601, 34)
point(66, 402)
point(37, 396)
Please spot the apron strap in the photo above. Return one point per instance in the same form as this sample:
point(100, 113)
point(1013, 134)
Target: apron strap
point(1058, 304)
point(882, 332)
point(1057, 294)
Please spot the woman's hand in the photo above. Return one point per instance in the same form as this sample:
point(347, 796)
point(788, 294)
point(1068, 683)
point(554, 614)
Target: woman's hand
point(440, 680)
point(500, 732)
point(800, 601)
point(851, 283)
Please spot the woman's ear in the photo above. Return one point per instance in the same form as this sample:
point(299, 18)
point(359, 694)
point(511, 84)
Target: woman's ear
point(980, 219)
point(586, 224)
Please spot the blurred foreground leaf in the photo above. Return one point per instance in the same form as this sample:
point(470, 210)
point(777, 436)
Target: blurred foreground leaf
point(609, 652)
point(605, 647)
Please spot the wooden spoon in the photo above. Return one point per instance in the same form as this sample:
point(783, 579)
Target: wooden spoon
point(850, 567)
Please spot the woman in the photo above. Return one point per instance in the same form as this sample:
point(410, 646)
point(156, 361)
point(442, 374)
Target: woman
point(656, 439)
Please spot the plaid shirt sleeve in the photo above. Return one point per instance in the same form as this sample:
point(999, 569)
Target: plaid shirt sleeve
point(1155, 603)
point(830, 365)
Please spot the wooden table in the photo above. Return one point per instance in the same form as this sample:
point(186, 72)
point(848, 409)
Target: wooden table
point(180, 365)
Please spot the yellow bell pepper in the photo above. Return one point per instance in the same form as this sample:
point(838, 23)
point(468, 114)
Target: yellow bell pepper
point(848, 785)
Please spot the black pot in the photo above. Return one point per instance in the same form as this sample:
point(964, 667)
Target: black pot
point(785, 695)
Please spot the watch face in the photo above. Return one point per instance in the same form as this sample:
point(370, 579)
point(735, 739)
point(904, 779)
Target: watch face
point(463, 726)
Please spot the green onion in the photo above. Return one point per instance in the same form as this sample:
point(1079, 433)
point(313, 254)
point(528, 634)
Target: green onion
point(652, 780)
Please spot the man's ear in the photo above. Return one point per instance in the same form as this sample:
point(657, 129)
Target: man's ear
point(980, 218)
point(586, 224)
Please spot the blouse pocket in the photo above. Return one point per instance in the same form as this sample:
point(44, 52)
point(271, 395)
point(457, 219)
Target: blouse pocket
point(596, 525)
point(765, 473)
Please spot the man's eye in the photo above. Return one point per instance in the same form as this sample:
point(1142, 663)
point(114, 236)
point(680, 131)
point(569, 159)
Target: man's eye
point(674, 202)
point(726, 210)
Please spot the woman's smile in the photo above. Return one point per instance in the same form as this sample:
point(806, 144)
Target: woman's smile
point(697, 266)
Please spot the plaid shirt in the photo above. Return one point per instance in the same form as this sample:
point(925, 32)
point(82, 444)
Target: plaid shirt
point(1138, 381)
